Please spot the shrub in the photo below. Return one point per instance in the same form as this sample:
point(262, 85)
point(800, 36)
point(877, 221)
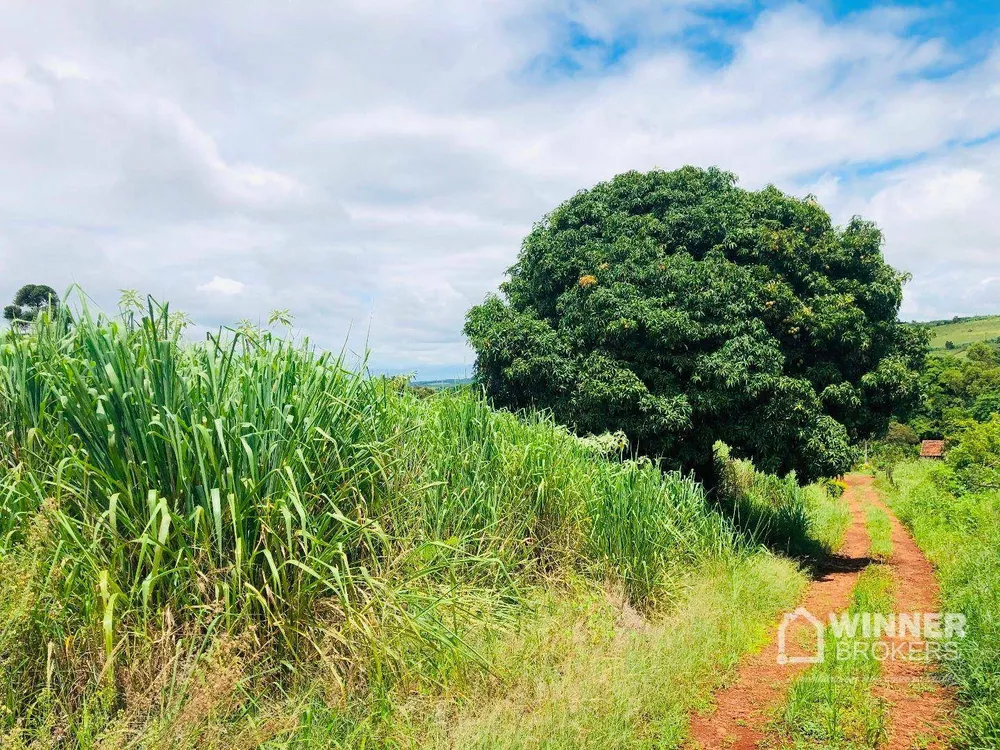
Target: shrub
point(975, 456)
point(900, 434)
point(835, 487)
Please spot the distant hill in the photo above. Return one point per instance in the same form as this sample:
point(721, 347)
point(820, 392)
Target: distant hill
point(442, 384)
point(962, 332)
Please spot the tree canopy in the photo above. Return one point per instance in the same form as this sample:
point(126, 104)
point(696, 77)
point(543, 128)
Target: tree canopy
point(958, 390)
point(683, 310)
point(29, 301)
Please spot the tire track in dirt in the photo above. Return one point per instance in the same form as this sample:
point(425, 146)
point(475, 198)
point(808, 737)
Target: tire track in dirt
point(743, 709)
point(918, 706)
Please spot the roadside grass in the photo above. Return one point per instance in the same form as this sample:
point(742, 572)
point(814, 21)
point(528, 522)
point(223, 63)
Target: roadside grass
point(802, 522)
point(879, 529)
point(245, 542)
point(833, 705)
point(829, 518)
point(589, 674)
point(960, 534)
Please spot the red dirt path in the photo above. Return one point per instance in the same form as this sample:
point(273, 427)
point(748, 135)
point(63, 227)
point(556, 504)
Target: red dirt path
point(918, 707)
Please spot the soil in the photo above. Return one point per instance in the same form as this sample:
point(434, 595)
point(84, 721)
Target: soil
point(918, 706)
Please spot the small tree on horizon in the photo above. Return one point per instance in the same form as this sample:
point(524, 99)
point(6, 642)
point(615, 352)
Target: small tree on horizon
point(29, 302)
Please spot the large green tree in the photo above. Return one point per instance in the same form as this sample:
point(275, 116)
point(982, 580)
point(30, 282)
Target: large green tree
point(684, 310)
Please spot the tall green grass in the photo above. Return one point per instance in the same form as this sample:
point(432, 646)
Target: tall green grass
point(960, 534)
point(252, 507)
point(777, 512)
point(879, 527)
point(590, 673)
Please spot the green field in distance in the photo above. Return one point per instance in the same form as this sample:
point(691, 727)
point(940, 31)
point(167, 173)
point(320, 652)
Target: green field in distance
point(963, 332)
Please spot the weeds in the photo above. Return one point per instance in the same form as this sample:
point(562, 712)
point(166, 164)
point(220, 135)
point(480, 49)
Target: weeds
point(226, 542)
point(593, 674)
point(879, 532)
point(776, 511)
point(961, 536)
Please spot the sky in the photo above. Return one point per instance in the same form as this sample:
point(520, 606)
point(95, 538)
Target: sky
point(373, 165)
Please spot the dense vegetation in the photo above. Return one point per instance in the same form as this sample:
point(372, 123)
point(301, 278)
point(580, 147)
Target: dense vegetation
point(959, 530)
point(243, 542)
point(958, 391)
point(953, 509)
point(684, 310)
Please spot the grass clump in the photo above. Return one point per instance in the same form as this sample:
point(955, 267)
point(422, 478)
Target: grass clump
point(829, 517)
point(245, 541)
point(833, 705)
point(960, 534)
point(879, 529)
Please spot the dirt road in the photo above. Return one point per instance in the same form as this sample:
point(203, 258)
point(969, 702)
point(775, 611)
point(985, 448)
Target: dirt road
point(918, 707)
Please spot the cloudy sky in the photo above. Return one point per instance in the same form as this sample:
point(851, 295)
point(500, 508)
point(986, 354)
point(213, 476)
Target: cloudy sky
point(372, 165)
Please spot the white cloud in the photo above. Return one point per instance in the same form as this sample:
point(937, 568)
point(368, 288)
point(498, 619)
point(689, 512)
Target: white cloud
point(220, 285)
point(373, 166)
point(64, 69)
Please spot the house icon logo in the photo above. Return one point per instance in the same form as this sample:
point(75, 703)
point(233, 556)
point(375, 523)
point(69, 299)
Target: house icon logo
point(804, 616)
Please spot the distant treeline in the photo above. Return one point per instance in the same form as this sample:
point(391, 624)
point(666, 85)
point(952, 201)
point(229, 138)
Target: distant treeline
point(951, 321)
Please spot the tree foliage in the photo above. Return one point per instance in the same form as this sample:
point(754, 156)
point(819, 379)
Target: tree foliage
point(683, 310)
point(901, 434)
point(29, 301)
point(957, 390)
point(975, 455)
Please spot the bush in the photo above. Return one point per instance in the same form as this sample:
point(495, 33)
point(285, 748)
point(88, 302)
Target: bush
point(975, 456)
point(835, 487)
point(900, 434)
